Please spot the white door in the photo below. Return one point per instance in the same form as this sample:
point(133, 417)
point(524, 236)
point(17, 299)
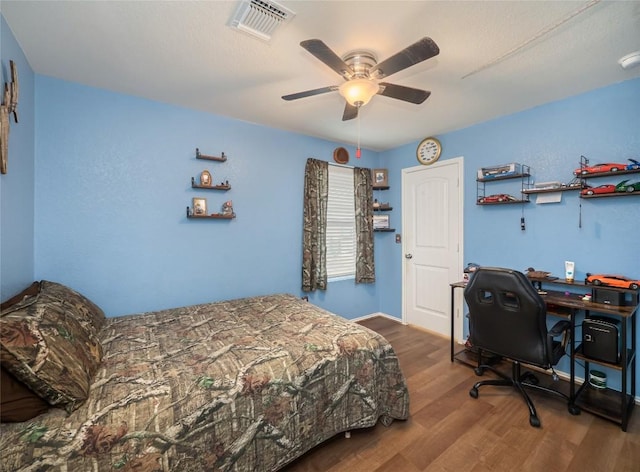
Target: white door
point(432, 231)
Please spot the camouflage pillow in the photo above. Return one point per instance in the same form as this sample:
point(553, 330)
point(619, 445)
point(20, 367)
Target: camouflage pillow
point(84, 310)
point(50, 348)
point(31, 291)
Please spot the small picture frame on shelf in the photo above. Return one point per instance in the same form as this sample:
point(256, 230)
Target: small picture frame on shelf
point(380, 221)
point(380, 178)
point(199, 206)
point(205, 178)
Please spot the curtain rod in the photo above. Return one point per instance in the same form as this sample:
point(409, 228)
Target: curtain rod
point(340, 165)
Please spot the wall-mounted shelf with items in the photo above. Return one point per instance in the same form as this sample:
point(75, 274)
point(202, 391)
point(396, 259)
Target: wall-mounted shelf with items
point(213, 216)
point(377, 206)
point(381, 224)
point(498, 173)
point(553, 187)
point(624, 188)
point(199, 209)
point(221, 158)
point(614, 194)
point(223, 186)
point(381, 182)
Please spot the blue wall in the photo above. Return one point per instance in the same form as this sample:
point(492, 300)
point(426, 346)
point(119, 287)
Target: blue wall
point(17, 186)
point(113, 182)
point(602, 125)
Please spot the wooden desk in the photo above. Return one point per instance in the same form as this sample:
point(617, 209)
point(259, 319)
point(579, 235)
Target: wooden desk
point(607, 403)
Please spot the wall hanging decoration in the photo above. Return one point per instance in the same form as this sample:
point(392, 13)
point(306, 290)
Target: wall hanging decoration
point(227, 208)
point(380, 222)
point(221, 158)
point(205, 178)
point(341, 155)
point(9, 107)
point(380, 178)
point(199, 209)
point(199, 206)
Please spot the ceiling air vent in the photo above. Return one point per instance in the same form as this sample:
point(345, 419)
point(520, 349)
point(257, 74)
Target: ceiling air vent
point(260, 18)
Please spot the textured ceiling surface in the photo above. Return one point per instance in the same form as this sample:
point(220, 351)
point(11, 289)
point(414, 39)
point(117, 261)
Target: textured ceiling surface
point(496, 58)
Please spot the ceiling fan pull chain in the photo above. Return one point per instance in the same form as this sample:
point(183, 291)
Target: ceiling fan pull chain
point(358, 151)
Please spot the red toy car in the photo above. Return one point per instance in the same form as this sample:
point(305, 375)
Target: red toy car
point(501, 197)
point(605, 167)
point(598, 190)
point(613, 281)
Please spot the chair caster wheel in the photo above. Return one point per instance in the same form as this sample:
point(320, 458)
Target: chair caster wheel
point(534, 421)
point(479, 371)
point(574, 410)
point(473, 392)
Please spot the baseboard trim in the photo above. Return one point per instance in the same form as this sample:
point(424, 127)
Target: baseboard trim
point(374, 315)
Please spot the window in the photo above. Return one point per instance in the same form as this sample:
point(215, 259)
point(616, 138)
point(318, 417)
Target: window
point(341, 224)
point(351, 248)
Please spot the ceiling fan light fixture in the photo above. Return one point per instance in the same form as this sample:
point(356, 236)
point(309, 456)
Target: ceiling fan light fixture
point(358, 92)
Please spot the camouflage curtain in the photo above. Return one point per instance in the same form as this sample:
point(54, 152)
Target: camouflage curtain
point(314, 241)
point(365, 268)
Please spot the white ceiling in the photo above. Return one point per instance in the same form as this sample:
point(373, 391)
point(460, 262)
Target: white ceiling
point(183, 53)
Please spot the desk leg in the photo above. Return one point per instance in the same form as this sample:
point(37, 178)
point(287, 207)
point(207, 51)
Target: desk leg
point(624, 407)
point(572, 355)
point(452, 316)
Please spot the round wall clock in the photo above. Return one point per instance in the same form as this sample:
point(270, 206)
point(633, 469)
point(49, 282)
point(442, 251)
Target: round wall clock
point(428, 151)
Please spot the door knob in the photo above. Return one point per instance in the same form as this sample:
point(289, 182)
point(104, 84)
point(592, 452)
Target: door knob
point(408, 256)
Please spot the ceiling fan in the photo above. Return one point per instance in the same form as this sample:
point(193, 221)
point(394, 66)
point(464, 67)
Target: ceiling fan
point(361, 71)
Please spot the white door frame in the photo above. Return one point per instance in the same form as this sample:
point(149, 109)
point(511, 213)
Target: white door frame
point(458, 300)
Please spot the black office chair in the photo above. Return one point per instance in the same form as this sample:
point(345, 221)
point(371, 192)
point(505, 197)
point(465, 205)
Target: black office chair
point(507, 317)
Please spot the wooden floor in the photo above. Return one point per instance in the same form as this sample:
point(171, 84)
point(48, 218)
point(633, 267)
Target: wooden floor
point(450, 431)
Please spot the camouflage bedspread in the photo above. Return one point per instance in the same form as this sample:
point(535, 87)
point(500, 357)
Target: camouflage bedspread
point(243, 385)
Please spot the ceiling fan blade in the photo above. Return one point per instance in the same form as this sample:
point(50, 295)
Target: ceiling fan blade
point(350, 112)
point(326, 55)
point(310, 93)
point(419, 51)
point(401, 92)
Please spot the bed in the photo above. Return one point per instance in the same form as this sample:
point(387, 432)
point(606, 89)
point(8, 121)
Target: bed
point(240, 385)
